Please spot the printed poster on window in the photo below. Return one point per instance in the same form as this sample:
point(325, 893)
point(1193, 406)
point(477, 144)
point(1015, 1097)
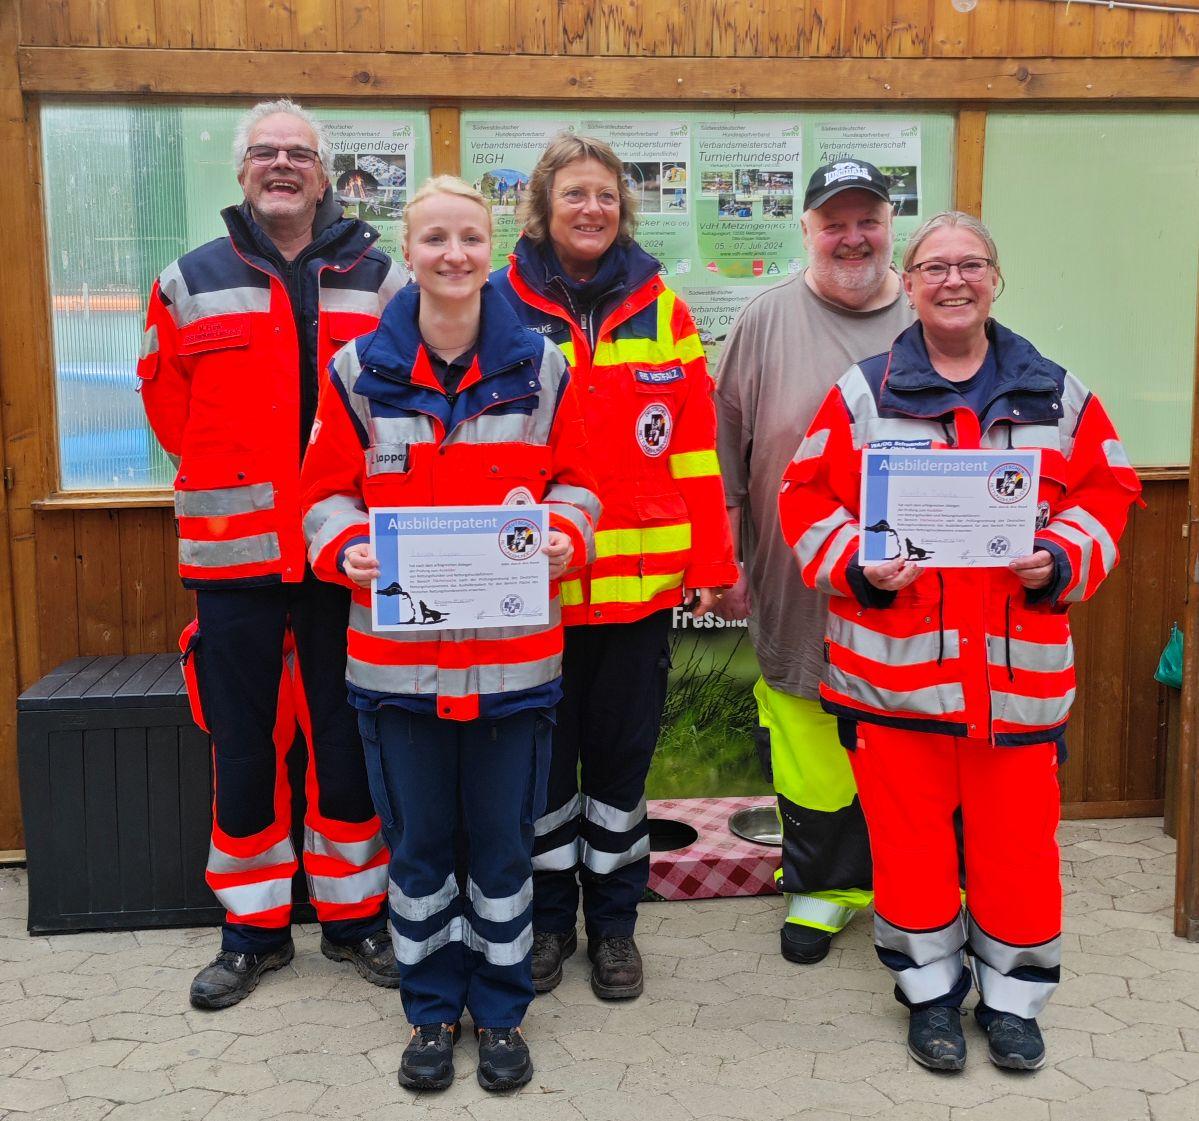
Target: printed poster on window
point(375, 170)
point(750, 196)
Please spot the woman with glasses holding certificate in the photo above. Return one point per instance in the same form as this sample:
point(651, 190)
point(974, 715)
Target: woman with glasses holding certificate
point(452, 403)
point(953, 685)
point(578, 277)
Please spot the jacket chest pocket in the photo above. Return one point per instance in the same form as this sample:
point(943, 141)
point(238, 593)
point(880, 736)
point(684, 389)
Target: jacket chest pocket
point(656, 410)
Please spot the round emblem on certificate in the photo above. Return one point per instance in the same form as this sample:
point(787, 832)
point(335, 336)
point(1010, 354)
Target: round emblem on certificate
point(512, 605)
point(520, 539)
point(654, 426)
point(1008, 483)
point(999, 546)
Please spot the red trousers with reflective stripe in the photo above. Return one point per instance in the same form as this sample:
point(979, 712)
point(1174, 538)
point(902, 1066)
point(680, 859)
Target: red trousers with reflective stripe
point(910, 783)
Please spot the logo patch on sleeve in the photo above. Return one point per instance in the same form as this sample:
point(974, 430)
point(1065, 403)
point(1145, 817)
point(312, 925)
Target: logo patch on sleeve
point(660, 377)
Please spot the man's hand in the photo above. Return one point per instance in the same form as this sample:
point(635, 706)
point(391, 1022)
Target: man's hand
point(360, 565)
point(560, 550)
point(1033, 572)
point(706, 600)
point(735, 604)
point(892, 575)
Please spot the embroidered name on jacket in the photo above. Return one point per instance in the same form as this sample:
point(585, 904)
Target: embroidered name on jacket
point(660, 377)
point(381, 458)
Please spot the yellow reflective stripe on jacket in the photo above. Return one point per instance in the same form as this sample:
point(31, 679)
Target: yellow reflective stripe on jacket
point(570, 593)
point(694, 465)
point(568, 351)
point(659, 350)
point(636, 541)
point(633, 589)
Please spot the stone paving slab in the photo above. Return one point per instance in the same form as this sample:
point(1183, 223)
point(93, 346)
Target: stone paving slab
point(96, 1027)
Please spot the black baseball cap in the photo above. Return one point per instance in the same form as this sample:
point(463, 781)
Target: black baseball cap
point(844, 175)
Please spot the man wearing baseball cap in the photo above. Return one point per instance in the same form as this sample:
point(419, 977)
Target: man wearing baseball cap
point(786, 349)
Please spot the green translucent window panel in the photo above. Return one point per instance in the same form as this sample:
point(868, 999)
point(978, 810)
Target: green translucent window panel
point(1096, 216)
point(128, 188)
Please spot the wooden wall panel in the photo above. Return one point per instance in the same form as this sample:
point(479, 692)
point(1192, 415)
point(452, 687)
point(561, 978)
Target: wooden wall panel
point(180, 24)
point(316, 25)
point(490, 27)
point(403, 25)
point(361, 24)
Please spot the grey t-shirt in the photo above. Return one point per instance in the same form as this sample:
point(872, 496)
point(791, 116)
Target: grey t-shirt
point(785, 351)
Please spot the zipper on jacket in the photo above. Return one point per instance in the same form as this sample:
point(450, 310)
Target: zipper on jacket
point(1007, 637)
point(941, 618)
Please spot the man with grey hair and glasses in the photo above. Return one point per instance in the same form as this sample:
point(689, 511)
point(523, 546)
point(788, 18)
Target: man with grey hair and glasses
point(238, 334)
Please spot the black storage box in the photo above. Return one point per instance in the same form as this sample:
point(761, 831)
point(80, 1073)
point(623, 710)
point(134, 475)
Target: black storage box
point(116, 793)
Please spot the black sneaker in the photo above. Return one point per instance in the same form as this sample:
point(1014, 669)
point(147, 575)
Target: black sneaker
point(504, 1059)
point(616, 972)
point(935, 1038)
point(428, 1061)
point(231, 976)
point(549, 952)
point(373, 957)
point(804, 945)
point(1012, 1041)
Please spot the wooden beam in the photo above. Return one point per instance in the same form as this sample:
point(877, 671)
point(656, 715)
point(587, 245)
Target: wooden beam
point(235, 73)
point(1186, 778)
point(446, 155)
point(968, 166)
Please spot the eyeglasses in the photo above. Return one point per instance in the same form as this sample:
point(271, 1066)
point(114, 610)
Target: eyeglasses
point(972, 269)
point(576, 196)
point(264, 154)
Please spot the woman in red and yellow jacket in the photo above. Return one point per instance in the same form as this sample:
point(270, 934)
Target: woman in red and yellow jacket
point(451, 402)
point(953, 685)
point(578, 277)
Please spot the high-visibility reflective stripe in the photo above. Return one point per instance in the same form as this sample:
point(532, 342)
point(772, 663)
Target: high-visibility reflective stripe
point(1115, 454)
point(922, 946)
point(422, 679)
point(808, 547)
point(581, 525)
point(221, 863)
point(392, 430)
point(357, 853)
point(633, 589)
point(568, 351)
point(636, 542)
point(327, 519)
point(570, 593)
point(928, 982)
point(225, 554)
point(877, 429)
point(859, 400)
point(1093, 526)
point(1032, 712)
point(355, 888)
point(1085, 545)
point(503, 908)
point(149, 341)
point(845, 536)
point(409, 951)
point(586, 500)
point(694, 465)
point(1055, 657)
point(613, 819)
point(561, 859)
point(913, 650)
point(397, 277)
point(250, 899)
point(346, 369)
point(1011, 994)
point(1075, 396)
point(416, 908)
point(186, 308)
point(569, 810)
point(931, 700)
point(499, 953)
point(497, 428)
point(809, 911)
point(602, 862)
point(224, 501)
point(354, 300)
point(813, 445)
point(1005, 957)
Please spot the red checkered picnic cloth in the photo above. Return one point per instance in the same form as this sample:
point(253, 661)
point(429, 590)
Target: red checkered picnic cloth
point(719, 864)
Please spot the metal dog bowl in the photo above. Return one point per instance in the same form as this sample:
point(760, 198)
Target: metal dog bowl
point(759, 824)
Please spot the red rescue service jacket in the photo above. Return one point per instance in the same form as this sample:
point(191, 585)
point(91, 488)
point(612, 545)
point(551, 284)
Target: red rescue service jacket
point(964, 652)
point(651, 437)
point(220, 379)
point(387, 434)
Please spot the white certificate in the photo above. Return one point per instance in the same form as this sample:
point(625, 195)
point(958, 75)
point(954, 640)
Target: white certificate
point(948, 509)
point(459, 567)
